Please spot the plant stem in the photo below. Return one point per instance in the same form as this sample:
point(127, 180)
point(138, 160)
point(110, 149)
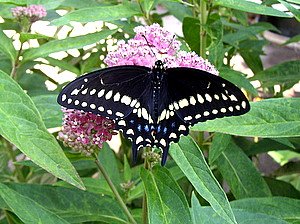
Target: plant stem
point(145, 211)
point(203, 20)
point(114, 190)
point(16, 63)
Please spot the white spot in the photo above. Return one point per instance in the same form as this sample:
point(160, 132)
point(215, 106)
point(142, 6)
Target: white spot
point(139, 113)
point(208, 85)
point(244, 104)
point(182, 128)
point(208, 97)
point(193, 100)
point(126, 100)
point(63, 97)
point(214, 111)
point(109, 112)
point(172, 113)
point(216, 97)
point(163, 142)
point(75, 92)
point(237, 107)
point(176, 106)
point(188, 118)
point(101, 109)
point(85, 80)
point(84, 104)
point(122, 123)
point(108, 95)
point(198, 116)
point(119, 114)
point(224, 97)
point(69, 100)
point(134, 111)
point(167, 114)
point(101, 93)
point(163, 115)
point(171, 107)
point(206, 113)
point(148, 140)
point(93, 91)
point(117, 97)
point(150, 120)
point(183, 103)
point(137, 105)
point(139, 140)
point(233, 98)
point(200, 98)
point(93, 106)
point(84, 91)
point(172, 135)
point(133, 102)
point(76, 102)
point(130, 132)
point(223, 84)
point(144, 114)
point(230, 108)
point(223, 110)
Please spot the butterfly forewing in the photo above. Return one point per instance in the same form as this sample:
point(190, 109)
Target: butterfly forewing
point(200, 96)
point(96, 92)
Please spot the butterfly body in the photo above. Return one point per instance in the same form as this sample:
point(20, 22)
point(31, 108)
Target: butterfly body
point(154, 106)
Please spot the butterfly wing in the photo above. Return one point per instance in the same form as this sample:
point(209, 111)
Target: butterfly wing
point(111, 92)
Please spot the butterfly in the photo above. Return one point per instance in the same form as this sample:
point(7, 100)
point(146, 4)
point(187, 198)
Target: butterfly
point(154, 106)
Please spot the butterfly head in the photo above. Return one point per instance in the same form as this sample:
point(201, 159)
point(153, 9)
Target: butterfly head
point(159, 65)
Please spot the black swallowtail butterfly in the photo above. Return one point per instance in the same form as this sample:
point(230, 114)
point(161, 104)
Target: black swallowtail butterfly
point(153, 107)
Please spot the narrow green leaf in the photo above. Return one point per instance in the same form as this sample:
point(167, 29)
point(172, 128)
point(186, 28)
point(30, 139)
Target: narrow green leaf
point(127, 170)
point(63, 65)
point(248, 6)
point(73, 205)
point(196, 212)
point(177, 9)
point(7, 47)
point(286, 73)
point(164, 197)
point(191, 30)
point(149, 4)
point(292, 9)
point(237, 78)
point(280, 207)
point(294, 1)
point(22, 125)
point(270, 118)
point(191, 161)
point(282, 188)
point(49, 110)
point(101, 13)
point(293, 39)
point(240, 174)
point(29, 36)
point(27, 209)
point(65, 44)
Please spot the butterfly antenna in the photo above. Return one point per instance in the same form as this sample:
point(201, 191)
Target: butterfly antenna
point(148, 45)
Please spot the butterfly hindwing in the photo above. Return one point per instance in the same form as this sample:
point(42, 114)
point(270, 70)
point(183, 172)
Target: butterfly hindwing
point(111, 92)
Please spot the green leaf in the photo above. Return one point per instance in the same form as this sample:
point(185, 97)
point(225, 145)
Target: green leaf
point(219, 144)
point(108, 160)
point(191, 161)
point(176, 9)
point(7, 47)
point(102, 13)
point(293, 39)
point(282, 188)
point(49, 109)
point(280, 207)
point(127, 170)
point(237, 78)
point(247, 6)
point(240, 174)
point(271, 118)
point(294, 1)
point(63, 65)
point(29, 36)
point(191, 30)
point(287, 73)
point(22, 125)
point(27, 209)
point(247, 32)
point(65, 44)
point(149, 4)
point(73, 205)
point(164, 197)
point(292, 9)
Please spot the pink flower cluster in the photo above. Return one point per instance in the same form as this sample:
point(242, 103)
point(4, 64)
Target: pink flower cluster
point(33, 12)
point(85, 132)
point(150, 42)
